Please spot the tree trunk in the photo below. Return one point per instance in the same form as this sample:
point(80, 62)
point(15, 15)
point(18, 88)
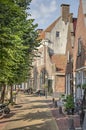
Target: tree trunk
point(11, 94)
point(3, 93)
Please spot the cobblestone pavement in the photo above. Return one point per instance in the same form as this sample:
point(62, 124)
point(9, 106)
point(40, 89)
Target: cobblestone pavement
point(63, 120)
point(30, 113)
point(36, 113)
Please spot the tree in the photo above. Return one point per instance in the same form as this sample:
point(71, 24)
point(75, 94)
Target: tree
point(69, 105)
point(18, 39)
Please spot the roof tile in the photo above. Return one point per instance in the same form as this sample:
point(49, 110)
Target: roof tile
point(60, 62)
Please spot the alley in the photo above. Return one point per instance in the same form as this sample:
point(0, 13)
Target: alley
point(30, 113)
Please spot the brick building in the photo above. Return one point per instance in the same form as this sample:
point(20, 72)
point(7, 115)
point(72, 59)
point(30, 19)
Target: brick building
point(55, 53)
point(70, 51)
point(80, 51)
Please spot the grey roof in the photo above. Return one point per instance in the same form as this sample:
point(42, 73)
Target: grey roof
point(84, 6)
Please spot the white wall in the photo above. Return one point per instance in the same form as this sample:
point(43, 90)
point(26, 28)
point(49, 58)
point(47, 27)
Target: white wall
point(58, 44)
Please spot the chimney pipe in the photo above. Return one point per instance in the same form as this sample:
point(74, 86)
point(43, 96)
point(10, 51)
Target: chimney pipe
point(65, 10)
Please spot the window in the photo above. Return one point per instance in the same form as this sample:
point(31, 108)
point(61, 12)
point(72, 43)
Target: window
point(68, 57)
point(57, 34)
point(79, 77)
point(79, 46)
point(72, 33)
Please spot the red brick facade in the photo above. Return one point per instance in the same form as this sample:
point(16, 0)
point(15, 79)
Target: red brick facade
point(79, 60)
point(80, 51)
point(60, 67)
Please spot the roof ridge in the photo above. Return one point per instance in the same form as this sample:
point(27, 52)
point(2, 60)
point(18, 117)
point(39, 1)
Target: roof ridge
point(49, 28)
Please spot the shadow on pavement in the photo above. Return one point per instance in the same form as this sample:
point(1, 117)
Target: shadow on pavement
point(41, 126)
point(17, 106)
point(39, 106)
point(22, 103)
point(36, 116)
point(29, 116)
point(43, 101)
point(7, 116)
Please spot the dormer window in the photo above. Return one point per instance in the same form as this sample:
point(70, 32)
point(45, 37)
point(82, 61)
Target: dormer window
point(57, 34)
point(79, 46)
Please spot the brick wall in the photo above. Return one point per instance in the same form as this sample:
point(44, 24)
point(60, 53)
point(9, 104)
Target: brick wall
point(60, 84)
point(65, 12)
point(79, 61)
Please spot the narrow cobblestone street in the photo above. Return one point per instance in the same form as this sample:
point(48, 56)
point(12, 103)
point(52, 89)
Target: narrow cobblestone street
point(36, 113)
point(30, 113)
point(62, 120)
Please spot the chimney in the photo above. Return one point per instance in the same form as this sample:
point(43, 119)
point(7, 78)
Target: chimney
point(71, 17)
point(65, 10)
point(39, 30)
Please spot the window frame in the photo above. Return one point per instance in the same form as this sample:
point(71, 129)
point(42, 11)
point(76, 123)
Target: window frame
point(79, 46)
point(57, 34)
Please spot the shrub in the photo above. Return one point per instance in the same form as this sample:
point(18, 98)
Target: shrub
point(69, 102)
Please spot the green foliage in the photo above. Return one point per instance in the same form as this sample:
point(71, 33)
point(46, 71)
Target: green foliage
point(79, 85)
point(18, 39)
point(23, 3)
point(69, 102)
point(84, 86)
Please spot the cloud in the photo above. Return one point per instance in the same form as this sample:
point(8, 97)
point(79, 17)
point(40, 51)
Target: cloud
point(42, 10)
point(48, 8)
point(46, 11)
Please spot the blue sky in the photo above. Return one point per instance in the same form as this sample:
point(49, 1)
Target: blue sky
point(46, 11)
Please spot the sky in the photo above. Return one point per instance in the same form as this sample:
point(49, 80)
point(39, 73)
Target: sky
point(47, 11)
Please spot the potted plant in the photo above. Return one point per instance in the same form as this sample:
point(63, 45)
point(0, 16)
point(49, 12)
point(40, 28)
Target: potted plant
point(84, 96)
point(79, 86)
point(69, 104)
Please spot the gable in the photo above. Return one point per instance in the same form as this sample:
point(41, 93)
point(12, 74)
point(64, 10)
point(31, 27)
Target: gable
point(52, 25)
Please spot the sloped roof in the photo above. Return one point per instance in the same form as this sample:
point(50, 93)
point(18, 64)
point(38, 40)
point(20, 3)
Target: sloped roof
point(48, 29)
point(60, 62)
